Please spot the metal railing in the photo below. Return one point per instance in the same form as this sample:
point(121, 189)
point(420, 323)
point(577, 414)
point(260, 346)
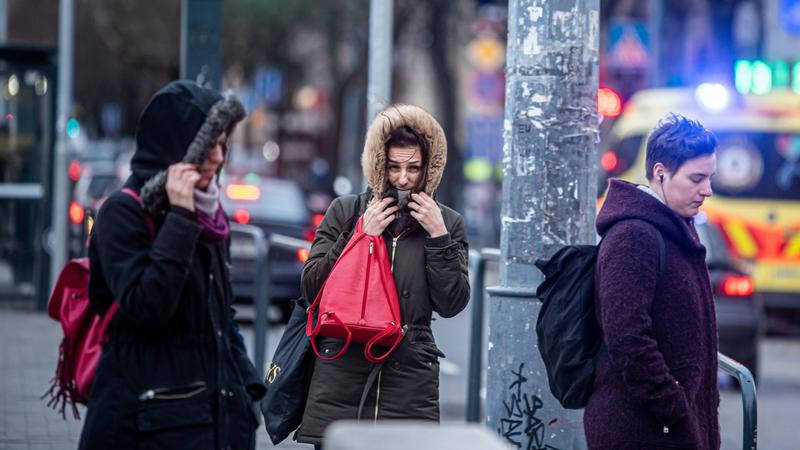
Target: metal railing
point(478, 262)
point(749, 404)
point(262, 292)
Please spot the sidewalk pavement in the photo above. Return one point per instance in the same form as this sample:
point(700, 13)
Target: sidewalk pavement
point(28, 353)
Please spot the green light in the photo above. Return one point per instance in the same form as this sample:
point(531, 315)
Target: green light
point(73, 128)
point(252, 178)
point(780, 75)
point(743, 76)
point(796, 77)
point(478, 169)
point(762, 78)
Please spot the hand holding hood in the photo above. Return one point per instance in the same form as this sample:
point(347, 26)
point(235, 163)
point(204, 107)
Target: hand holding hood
point(180, 123)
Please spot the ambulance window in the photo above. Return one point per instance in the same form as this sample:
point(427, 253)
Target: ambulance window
point(758, 165)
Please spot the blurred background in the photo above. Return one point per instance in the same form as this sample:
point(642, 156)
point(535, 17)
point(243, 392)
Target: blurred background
point(301, 69)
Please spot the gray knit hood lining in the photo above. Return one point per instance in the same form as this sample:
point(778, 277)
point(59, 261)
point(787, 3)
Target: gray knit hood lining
point(222, 117)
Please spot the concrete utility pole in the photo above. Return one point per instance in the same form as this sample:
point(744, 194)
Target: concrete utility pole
point(379, 74)
point(201, 31)
point(66, 43)
point(549, 193)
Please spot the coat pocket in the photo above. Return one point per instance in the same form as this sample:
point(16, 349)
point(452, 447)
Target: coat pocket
point(174, 418)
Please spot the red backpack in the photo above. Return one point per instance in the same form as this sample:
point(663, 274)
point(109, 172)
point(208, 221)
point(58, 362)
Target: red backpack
point(85, 332)
point(358, 301)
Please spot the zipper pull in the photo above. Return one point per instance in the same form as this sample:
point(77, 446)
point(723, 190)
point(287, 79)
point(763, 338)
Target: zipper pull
point(370, 247)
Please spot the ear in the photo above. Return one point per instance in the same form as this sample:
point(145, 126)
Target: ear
point(659, 171)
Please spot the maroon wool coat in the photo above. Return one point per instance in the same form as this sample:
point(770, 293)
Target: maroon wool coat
point(656, 385)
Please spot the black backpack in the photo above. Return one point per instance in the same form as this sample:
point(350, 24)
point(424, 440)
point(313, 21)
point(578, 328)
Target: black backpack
point(569, 337)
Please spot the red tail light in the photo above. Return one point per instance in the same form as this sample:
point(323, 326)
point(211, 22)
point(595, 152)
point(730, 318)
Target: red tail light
point(242, 216)
point(737, 286)
point(309, 234)
point(76, 213)
point(609, 102)
point(609, 161)
point(302, 255)
point(74, 171)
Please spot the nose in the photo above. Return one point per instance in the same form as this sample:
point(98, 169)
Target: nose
point(403, 180)
point(706, 190)
point(216, 156)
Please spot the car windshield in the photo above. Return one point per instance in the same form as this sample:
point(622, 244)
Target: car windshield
point(101, 185)
point(280, 200)
point(758, 165)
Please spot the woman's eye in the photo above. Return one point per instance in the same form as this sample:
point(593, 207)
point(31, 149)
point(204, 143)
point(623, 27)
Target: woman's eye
point(413, 169)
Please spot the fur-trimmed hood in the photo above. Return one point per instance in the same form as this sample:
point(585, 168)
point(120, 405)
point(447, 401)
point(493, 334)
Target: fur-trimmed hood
point(373, 158)
point(182, 122)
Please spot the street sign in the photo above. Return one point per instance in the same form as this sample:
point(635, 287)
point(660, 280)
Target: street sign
point(790, 16)
point(628, 47)
point(268, 85)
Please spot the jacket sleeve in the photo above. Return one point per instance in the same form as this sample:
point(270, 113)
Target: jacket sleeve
point(329, 242)
point(145, 277)
point(447, 269)
point(253, 385)
point(626, 286)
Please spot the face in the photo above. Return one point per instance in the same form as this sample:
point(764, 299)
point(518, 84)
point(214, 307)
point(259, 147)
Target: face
point(686, 189)
point(212, 164)
point(404, 167)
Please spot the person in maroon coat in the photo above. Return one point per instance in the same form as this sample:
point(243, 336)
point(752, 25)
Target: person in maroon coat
point(656, 383)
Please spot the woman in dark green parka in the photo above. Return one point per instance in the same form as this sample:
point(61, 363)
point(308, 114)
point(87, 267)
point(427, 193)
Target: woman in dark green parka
point(403, 162)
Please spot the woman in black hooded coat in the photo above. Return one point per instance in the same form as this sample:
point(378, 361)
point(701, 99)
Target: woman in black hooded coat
point(175, 373)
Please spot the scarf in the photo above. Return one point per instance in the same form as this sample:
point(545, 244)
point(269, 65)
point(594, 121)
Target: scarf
point(210, 215)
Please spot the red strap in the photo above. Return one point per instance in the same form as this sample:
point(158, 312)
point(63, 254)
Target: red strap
point(151, 228)
point(346, 342)
point(368, 348)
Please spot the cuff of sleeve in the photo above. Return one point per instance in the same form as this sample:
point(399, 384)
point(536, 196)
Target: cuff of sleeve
point(439, 241)
point(183, 212)
point(256, 389)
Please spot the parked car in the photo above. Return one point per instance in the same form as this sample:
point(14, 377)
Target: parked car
point(276, 206)
point(740, 315)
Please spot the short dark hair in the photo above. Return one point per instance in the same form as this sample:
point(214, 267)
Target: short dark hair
point(676, 140)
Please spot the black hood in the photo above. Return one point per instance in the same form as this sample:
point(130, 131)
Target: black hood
point(181, 123)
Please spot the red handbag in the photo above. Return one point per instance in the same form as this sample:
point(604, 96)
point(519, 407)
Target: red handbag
point(358, 301)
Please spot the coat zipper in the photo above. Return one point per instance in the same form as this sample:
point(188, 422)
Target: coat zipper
point(394, 245)
point(173, 393)
point(366, 281)
point(394, 249)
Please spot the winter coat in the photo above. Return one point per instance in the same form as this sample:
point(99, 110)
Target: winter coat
point(174, 373)
point(656, 385)
point(431, 274)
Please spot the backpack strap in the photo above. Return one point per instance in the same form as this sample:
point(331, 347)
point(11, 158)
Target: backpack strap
point(662, 255)
point(151, 228)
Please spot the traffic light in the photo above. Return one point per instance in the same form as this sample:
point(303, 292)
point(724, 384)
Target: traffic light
point(759, 77)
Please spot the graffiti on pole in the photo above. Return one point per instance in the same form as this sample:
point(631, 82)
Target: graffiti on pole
point(520, 426)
